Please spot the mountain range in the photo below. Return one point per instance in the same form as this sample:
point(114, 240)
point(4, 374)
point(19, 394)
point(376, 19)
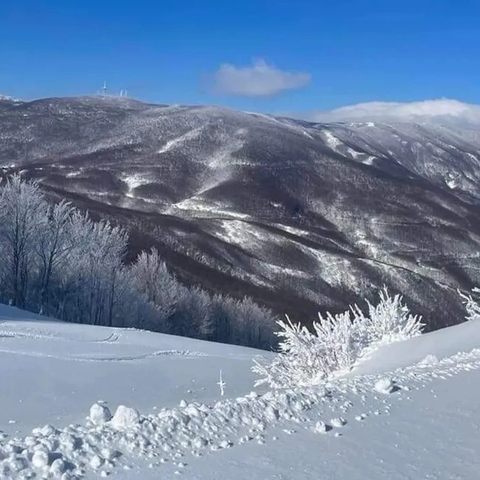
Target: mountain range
point(300, 215)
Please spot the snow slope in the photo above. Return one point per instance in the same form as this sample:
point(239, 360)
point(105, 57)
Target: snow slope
point(71, 366)
point(409, 411)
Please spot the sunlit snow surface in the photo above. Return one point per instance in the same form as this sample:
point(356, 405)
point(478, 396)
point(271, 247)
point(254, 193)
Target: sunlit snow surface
point(410, 410)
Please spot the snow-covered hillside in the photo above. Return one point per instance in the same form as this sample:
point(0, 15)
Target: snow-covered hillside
point(409, 411)
point(299, 216)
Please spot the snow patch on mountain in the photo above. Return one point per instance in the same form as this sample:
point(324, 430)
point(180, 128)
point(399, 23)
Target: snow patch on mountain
point(332, 141)
point(133, 181)
point(7, 98)
point(202, 208)
point(175, 142)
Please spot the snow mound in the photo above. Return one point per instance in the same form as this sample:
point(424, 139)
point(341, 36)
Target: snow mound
point(385, 386)
point(338, 422)
point(321, 427)
point(429, 360)
point(125, 418)
point(40, 459)
point(100, 414)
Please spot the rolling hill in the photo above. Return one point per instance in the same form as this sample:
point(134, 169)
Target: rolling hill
point(301, 216)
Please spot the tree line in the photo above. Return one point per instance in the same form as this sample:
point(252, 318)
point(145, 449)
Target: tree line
point(57, 261)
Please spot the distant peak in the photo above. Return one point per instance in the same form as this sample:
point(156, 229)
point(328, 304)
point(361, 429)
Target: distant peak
point(434, 111)
point(7, 98)
point(427, 108)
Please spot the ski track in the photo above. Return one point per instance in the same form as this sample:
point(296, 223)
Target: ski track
point(167, 436)
point(86, 358)
point(38, 335)
point(112, 338)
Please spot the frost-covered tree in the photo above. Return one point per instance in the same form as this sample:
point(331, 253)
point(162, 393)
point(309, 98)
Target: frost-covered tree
point(193, 312)
point(252, 324)
point(191, 315)
point(98, 257)
point(53, 246)
point(56, 260)
point(223, 313)
point(23, 213)
point(306, 358)
point(149, 273)
point(241, 322)
point(158, 288)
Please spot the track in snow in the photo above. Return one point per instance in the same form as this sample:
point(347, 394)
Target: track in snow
point(86, 358)
point(112, 338)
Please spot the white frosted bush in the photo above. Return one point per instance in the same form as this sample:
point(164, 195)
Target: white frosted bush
point(389, 321)
point(472, 307)
point(306, 358)
point(337, 342)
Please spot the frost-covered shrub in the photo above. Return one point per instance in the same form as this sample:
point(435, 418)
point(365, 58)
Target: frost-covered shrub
point(472, 306)
point(389, 321)
point(338, 341)
point(306, 357)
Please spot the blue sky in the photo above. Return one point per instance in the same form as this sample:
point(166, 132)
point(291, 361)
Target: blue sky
point(265, 55)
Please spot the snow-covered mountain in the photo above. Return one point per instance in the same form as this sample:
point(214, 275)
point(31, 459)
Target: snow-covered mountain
point(410, 410)
point(299, 215)
point(441, 111)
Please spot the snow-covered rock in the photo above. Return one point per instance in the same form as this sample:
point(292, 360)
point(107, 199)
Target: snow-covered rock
point(57, 468)
point(338, 422)
point(429, 361)
point(385, 386)
point(48, 430)
point(125, 417)
point(40, 458)
point(99, 414)
point(321, 427)
point(96, 462)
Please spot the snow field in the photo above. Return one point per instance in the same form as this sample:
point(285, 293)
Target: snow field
point(105, 444)
point(116, 439)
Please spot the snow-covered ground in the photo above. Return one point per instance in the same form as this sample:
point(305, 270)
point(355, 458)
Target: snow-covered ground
point(409, 411)
point(53, 371)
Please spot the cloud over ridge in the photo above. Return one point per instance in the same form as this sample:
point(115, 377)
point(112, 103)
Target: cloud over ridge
point(258, 80)
point(439, 111)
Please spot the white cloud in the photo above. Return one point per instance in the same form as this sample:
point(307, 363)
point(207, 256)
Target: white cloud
point(257, 80)
point(440, 111)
